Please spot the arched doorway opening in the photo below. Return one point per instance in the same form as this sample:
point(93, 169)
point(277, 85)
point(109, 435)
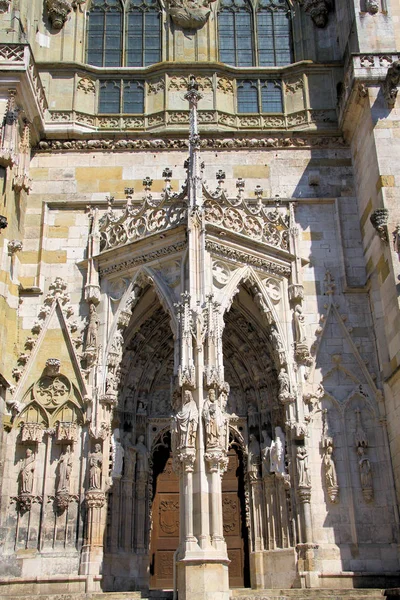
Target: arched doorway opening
point(234, 518)
point(165, 517)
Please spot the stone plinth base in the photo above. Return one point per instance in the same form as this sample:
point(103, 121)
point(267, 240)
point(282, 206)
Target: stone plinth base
point(201, 580)
point(271, 569)
point(91, 566)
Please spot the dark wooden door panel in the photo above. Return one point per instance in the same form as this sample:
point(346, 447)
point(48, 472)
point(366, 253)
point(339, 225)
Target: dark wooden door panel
point(232, 520)
point(165, 534)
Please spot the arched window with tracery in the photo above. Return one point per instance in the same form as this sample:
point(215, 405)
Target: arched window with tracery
point(274, 36)
point(255, 37)
point(124, 34)
point(143, 33)
point(104, 38)
point(235, 31)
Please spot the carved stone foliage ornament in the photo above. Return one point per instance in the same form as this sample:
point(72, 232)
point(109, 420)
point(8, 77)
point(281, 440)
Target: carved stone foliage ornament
point(379, 220)
point(58, 11)
point(189, 14)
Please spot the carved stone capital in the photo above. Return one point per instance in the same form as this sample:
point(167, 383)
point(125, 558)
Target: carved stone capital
point(296, 293)
point(184, 460)
point(95, 499)
point(217, 461)
point(3, 222)
point(304, 494)
point(391, 83)
point(92, 293)
point(25, 501)
point(58, 11)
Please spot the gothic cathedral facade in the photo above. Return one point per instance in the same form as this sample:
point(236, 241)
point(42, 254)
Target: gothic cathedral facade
point(199, 295)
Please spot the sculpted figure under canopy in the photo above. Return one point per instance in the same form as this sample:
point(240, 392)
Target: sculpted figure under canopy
point(95, 468)
point(64, 470)
point(186, 422)
point(277, 455)
point(214, 421)
point(27, 472)
point(142, 458)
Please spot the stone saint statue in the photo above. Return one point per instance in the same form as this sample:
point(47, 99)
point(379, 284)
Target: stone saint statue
point(302, 467)
point(117, 454)
point(266, 454)
point(95, 468)
point(330, 469)
point(129, 457)
point(277, 454)
point(253, 460)
point(364, 466)
point(27, 472)
point(142, 458)
point(93, 328)
point(64, 467)
point(186, 422)
point(214, 421)
point(298, 323)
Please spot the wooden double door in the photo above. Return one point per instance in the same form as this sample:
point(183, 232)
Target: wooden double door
point(165, 534)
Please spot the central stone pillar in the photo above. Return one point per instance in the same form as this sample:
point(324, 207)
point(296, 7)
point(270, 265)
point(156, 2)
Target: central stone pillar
point(199, 429)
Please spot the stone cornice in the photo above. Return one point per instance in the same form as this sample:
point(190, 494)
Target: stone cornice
point(362, 70)
point(16, 60)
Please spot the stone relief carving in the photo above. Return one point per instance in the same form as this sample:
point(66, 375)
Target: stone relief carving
point(391, 83)
point(58, 11)
point(364, 464)
point(95, 468)
point(66, 432)
point(87, 85)
point(32, 432)
point(206, 143)
point(138, 219)
point(379, 220)
point(184, 424)
point(189, 14)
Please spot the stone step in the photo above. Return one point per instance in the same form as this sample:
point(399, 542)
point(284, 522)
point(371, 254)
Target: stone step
point(151, 595)
point(308, 594)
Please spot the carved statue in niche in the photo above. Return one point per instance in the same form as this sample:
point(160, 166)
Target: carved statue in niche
point(364, 466)
point(214, 421)
point(277, 454)
point(117, 455)
point(277, 341)
point(252, 415)
point(64, 468)
point(27, 472)
point(266, 453)
point(330, 469)
point(142, 459)
point(302, 467)
point(129, 457)
point(185, 423)
point(253, 459)
point(95, 468)
point(189, 14)
point(93, 328)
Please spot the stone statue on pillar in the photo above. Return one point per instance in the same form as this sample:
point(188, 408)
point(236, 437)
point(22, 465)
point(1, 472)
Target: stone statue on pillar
point(214, 422)
point(277, 454)
point(27, 472)
point(185, 423)
point(95, 468)
point(254, 458)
